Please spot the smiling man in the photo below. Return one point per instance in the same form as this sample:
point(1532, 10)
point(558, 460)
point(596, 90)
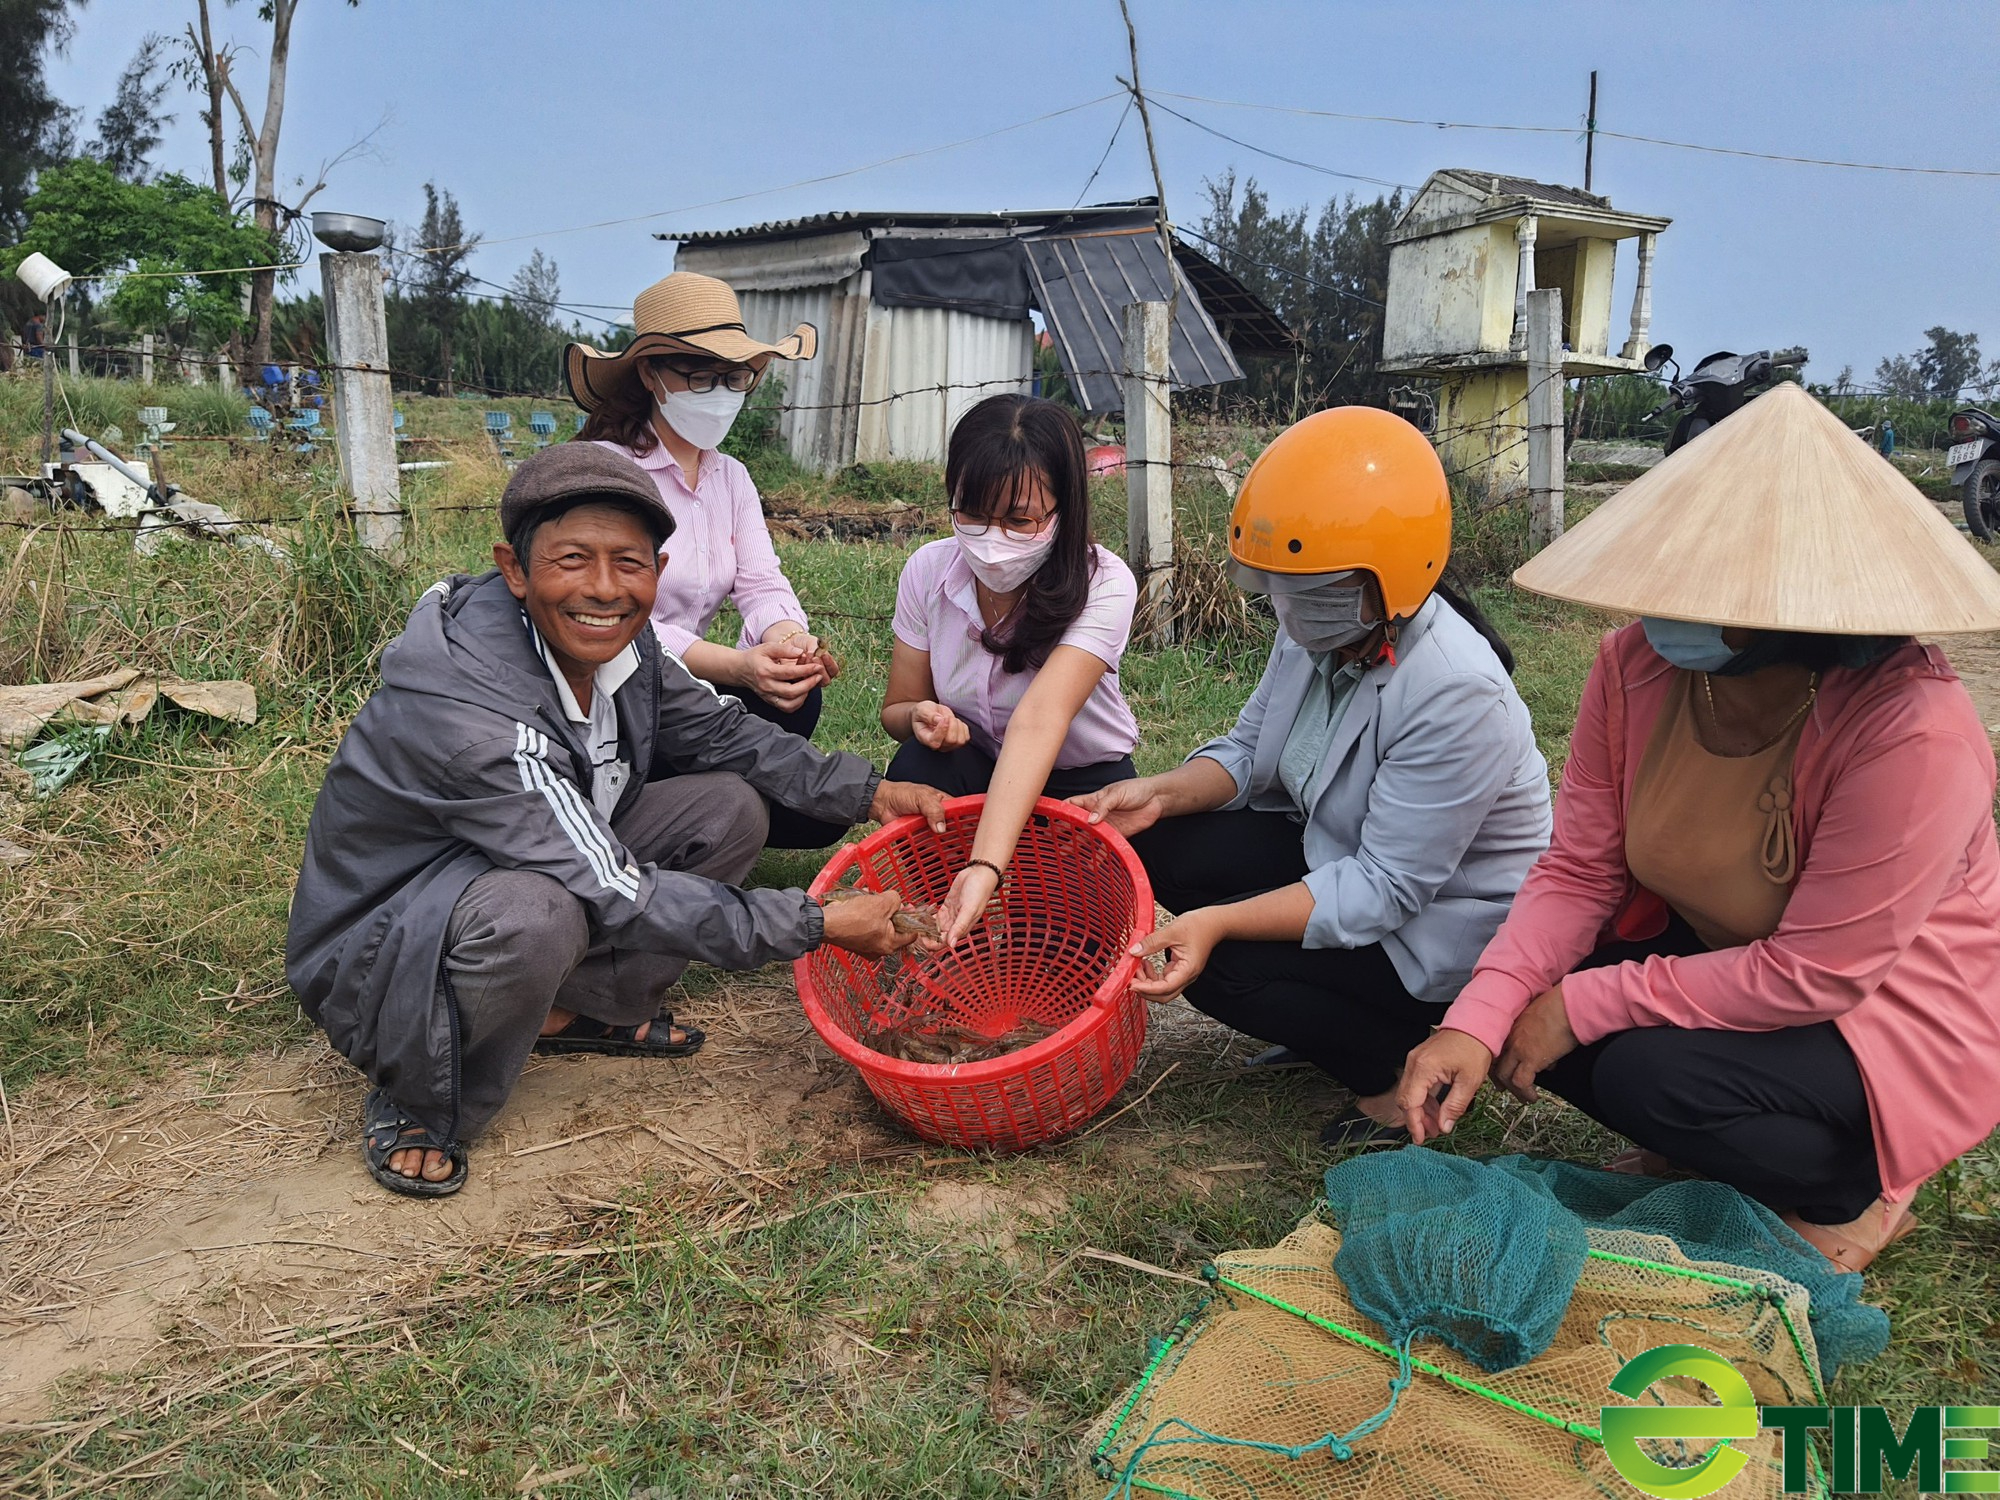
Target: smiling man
point(539, 818)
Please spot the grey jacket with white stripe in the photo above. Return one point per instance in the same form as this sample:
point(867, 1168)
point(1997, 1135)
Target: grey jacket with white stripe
point(463, 761)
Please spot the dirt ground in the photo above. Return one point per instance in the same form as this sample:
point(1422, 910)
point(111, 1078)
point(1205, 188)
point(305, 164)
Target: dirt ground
point(233, 1212)
point(234, 1216)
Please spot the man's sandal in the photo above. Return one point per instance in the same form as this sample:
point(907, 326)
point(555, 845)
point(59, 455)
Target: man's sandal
point(586, 1035)
point(386, 1129)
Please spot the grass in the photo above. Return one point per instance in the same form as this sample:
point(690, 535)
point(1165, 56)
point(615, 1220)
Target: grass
point(857, 1348)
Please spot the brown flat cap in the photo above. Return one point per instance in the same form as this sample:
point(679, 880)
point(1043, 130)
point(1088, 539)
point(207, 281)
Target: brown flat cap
point(573, 473)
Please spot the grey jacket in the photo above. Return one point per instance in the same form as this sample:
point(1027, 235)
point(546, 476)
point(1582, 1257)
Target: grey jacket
point(1436, 805)
point(463, 761)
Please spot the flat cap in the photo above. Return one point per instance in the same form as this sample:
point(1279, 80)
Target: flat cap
point(572, 473)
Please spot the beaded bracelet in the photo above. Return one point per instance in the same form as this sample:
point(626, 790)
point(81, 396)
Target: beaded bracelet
point(998, 873)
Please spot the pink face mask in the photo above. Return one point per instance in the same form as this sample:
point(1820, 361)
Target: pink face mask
point(1000, 559)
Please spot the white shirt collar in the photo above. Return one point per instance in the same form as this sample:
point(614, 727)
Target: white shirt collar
point(607, 679)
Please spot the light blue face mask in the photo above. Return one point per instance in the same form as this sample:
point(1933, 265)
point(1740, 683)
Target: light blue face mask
point(1689, 644)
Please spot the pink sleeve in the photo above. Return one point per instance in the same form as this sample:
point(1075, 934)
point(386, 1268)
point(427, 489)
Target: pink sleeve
point(674, 638)
point(912, 621)
point(762, 594)
point(1105, 626)
point(1891, 838)
point(1569, 894)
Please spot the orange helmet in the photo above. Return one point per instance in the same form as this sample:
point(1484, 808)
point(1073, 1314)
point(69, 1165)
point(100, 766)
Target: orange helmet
point(1349, 488)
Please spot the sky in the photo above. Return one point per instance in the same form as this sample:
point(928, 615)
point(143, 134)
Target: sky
point(541, 118)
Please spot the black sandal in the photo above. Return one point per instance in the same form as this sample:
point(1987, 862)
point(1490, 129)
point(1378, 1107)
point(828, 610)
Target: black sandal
point(586, 1035)
point(1353, 1128)
point(386, 1129)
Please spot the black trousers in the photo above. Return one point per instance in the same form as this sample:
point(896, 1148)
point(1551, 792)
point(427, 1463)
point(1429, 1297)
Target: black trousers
point(789, 829)
point(1344, 1009)
point(966, 770)
point(1779, 1115)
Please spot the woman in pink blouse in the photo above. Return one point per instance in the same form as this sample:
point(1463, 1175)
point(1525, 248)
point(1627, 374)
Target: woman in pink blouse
point(667, 401)
point(1009, 632)
point(1764, 943)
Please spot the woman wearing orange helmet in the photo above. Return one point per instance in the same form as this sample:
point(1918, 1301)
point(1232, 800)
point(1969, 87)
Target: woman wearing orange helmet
point(1341, 856)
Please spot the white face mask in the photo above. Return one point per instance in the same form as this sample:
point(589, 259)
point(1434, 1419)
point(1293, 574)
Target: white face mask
point(1325, 618)
point(703, 419)
point(1001, 560)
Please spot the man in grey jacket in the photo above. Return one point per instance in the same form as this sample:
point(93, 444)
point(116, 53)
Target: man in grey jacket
point(539, 818)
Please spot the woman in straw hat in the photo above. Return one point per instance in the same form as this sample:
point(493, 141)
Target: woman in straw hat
point(667, 400)
point(1764, 944)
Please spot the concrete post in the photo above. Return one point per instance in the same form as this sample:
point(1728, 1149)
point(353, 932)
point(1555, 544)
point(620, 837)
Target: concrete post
point(75, 367)
point(1642, 302)
point(1545, 418)
point(1524, 279)
point(364, 409)
point(146, 358)
point(1149, 455)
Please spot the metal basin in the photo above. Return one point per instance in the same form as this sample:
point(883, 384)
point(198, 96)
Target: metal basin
point(348, 232)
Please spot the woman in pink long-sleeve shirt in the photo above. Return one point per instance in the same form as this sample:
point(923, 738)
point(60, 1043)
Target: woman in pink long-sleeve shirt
point(1828, 1068)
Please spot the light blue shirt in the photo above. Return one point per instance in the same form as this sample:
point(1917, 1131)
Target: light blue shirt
point(1303, 760)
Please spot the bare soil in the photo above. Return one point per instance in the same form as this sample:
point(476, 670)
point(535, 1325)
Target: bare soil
point(228, 1210)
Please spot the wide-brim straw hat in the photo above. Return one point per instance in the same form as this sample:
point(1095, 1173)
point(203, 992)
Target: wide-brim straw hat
point(685, 313)
point(1777, 518)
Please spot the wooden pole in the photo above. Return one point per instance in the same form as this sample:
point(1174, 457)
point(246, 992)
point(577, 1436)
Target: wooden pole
point(1149, 455)
point(1545, 418)
point(1590, 131)
point(364, 407)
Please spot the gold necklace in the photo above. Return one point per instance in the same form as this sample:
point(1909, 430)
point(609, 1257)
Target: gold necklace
point(1812, 694)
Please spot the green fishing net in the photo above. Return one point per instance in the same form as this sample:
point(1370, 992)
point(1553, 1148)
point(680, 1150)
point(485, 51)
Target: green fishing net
point(1326, 1368)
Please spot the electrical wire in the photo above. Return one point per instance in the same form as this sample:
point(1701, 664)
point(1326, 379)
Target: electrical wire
point(1615, 135)
point(1123, 115)
point(1279, 156)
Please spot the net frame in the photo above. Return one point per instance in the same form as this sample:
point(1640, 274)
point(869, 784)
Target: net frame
point(1771, 1342)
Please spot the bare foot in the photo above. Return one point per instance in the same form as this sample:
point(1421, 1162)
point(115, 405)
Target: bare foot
point(1854, 1246)
point(432, 1166)
point(1381, 1108)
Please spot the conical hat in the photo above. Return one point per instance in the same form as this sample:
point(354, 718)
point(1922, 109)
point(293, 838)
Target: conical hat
point(1777, 518)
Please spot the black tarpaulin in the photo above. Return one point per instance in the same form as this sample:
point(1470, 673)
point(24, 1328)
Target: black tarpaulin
point(1084, 282)
point(988, 277)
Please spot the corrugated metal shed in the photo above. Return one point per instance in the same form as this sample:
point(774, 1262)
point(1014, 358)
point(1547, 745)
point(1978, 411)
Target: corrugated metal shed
point(896, 370)
point(1084, 283)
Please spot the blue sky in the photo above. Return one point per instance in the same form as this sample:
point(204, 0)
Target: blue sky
point(542, 117)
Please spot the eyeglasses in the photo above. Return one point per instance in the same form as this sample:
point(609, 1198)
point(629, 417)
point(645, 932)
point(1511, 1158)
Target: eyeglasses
point(1012, 525)
point(701, 379)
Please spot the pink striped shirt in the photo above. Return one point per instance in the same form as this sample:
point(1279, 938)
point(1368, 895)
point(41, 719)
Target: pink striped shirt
point(720, 551)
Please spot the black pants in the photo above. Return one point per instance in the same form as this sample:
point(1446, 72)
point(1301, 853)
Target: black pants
point(964, 771)
point(1344, 1009)
point(1779, 1115)
point(789, 829)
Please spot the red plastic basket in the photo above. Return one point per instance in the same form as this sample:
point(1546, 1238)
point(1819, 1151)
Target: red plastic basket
point(1051, 949)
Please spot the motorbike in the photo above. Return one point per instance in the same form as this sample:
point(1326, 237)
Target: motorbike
point(1716, 387)
point(1974, 457)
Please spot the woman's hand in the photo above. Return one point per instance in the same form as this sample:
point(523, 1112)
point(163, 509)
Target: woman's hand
point(965, 903)
point(1440, 1076)
point(776, 672)
point(1128, 806)
point(1189, 939)
point(938, 728)
point(1541, 1035)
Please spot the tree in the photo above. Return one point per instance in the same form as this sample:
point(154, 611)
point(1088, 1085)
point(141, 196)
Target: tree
point(213, 63)
point(31, 118)
point(201, 66)
point(83, 215)
point(442, 256)
point(1326, 277)
point(130, 126)
point(537, 288)
point(1939, 372)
